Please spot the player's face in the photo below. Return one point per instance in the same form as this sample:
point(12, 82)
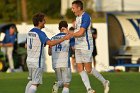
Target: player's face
point(75, 9)
point(42, 24)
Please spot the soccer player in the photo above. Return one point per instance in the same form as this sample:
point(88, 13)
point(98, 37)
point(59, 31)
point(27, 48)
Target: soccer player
point(84, 47)
point(36, 41)
point(61, 60)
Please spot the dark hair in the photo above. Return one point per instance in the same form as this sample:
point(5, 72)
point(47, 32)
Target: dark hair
point(38, 17)
point(79, 3)
point(94, 30)
point(71, 28)
point(63, 24)
point(13, 27)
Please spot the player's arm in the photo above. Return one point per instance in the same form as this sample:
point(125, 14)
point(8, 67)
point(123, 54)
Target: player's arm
point(49, 50)
point(54, 42)
point(79, 33)
point(76, 34)
point(83, 27)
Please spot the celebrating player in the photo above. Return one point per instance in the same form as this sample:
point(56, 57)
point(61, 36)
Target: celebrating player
point(61, 59)
point(84, 47)
point(36, 41)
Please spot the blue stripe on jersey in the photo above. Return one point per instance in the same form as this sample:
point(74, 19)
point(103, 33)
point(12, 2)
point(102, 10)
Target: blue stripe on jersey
point(39, 64)
point(69, 59)
point(42, 36)
point(85, 21)
point(87, 40)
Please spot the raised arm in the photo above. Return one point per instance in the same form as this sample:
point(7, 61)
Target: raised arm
point(79, 33)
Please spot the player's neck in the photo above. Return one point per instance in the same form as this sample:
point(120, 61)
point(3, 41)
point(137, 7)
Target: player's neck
point(38, 27)
point(80, 13)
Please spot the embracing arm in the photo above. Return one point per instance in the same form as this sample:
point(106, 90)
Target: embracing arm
point(54, 42)
point(79, 33)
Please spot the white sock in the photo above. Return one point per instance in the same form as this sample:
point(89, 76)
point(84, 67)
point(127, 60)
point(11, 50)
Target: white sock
point(32, 89)
point(85, 79)
point(28, 86)
point(65, 90)
point(98, 75)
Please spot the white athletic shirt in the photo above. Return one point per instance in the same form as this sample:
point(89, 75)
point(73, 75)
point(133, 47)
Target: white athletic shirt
point(60, 52)
point(84, 42)
point(36, 41)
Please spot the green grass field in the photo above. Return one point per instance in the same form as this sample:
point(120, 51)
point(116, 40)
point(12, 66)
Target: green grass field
point(121, 82)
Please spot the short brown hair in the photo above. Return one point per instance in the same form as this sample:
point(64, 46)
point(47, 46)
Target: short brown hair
point(79, 3)
point(38, 17)
point(63, 24)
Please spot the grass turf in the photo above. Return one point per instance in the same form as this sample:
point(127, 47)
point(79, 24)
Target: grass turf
point(120, 83)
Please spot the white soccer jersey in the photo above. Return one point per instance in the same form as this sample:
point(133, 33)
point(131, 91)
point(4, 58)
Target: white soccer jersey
point(36, 41)
point(86, 41)
point(60, 52)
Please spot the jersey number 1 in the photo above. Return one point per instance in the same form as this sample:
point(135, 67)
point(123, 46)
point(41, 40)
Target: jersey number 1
point(31, 42)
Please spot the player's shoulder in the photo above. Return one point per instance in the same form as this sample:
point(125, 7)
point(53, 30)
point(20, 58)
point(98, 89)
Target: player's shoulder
point(85, 15)
point(37, 31)
point(58, 36)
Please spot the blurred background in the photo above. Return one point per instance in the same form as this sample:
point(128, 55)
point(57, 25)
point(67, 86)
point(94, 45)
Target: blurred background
point(19, 11)
point(109, 17)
